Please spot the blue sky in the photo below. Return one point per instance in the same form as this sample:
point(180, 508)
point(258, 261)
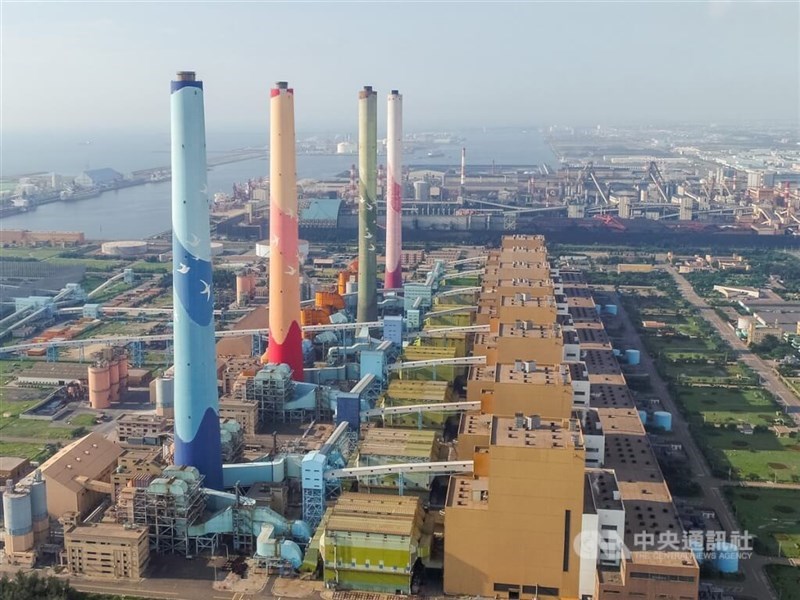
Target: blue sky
point(92, 66)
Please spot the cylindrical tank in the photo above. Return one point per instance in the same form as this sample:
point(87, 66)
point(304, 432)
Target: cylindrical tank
point(17, 520)
point(113, 373)
point(341, 284)
point(41, 520)
point(643, 417)
point(663, 420)
point(99, 387)
point(123, 373)
point(244, 288)
point(611, 309)
point(17, 517)
point(726, 557)
point(422, 191)
point(165, 396)
point(632, 356)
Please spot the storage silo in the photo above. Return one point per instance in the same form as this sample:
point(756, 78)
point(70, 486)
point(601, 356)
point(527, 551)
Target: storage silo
point(245, 287)
point(123, 374)
point(113, 372)
point(663, 420)
point(165, 397)
point(422, 191)
point(41, 520)
point(632, 356)
point(99, 386)
point(726, 557)
point(17, 520)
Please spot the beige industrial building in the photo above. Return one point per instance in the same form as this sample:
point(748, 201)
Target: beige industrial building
point(522, 340)
point(509, 528)
point(244, 412)
point(140, 426)
point(78, 477)
point(136, 463)
point(12, 467)
point(522, 387)
point(502, 530)
point(107, 551)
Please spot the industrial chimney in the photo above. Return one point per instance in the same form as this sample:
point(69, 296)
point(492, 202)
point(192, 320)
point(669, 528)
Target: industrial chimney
point(197, 435)
point(285, 336)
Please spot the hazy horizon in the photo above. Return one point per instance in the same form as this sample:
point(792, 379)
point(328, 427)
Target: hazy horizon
point(94, 67)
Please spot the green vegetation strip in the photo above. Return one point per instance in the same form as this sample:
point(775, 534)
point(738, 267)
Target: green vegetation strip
point(771, 515)
point(785, 580)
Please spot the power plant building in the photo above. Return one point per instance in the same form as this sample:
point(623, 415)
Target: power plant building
point(78, 477)
point(374, 542)
point(509, 528)
point(107, 550)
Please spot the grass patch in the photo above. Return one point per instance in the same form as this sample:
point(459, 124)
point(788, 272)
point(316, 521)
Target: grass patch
point(84, 420)
point(143, 266)
point(723, 406)
point(772, 516)
point(35, 429)
point(36, 253)
point(749, 456)
point(785, 580)
point(31, 451)
point(91, 264)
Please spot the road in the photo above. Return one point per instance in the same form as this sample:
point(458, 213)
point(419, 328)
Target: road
point(770, 379)
point(756, 584)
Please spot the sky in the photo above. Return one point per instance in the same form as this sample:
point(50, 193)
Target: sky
point(80, 66)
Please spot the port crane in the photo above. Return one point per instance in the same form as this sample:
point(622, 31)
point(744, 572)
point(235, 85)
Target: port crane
point(655, 175)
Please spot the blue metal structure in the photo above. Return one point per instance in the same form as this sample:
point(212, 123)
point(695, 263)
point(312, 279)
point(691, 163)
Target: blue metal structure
point(137, 354)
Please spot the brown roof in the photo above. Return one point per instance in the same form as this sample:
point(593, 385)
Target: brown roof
point(87, 457)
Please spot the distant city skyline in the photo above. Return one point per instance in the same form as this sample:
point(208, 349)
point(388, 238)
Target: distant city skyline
point(106, 66)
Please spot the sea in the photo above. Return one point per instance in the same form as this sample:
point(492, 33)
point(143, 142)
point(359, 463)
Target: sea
point(142, 211)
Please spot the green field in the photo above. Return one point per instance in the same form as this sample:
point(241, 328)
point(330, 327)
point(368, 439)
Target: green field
point(757, 457)
point(35, 429)
point(37, 253)
point(143, 266)
point(786, 581)
point(772, 515)
point(31, 451)
point(92, 264)
point(723, 406)
point(85, 420)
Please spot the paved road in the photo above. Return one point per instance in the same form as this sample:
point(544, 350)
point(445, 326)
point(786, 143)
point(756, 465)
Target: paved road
point(771, 381)
point(756, 584)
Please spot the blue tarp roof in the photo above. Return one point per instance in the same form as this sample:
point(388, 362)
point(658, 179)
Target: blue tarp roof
point(321, 209)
